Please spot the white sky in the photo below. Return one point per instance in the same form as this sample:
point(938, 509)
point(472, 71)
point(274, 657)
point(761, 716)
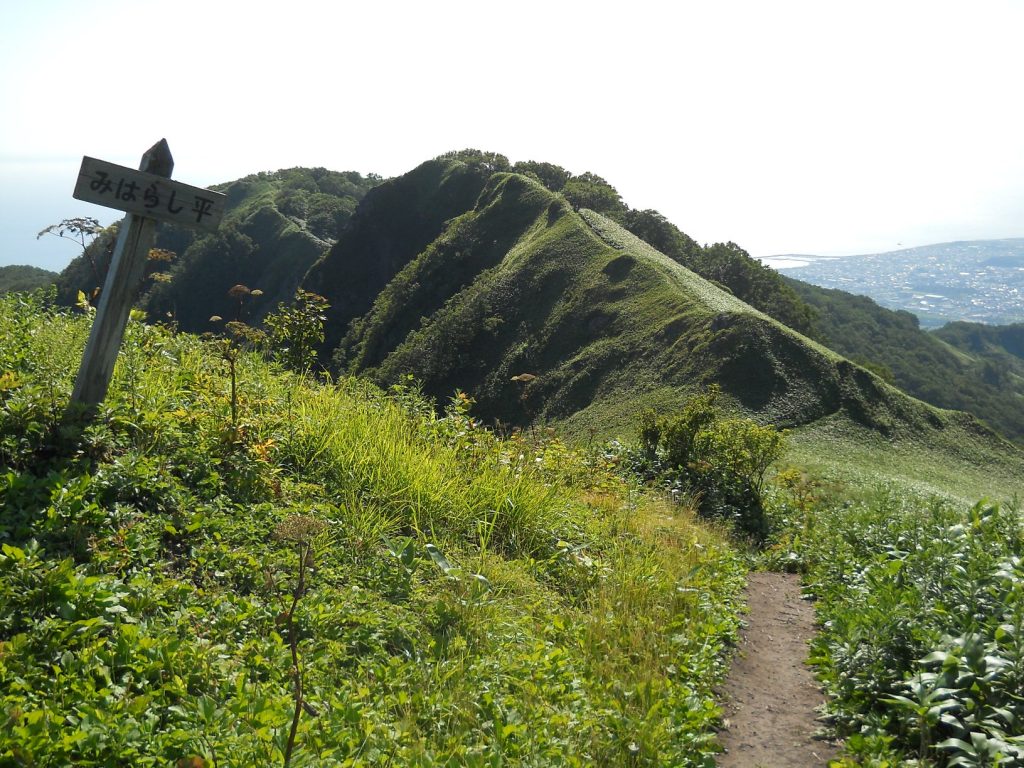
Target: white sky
point(820, 127)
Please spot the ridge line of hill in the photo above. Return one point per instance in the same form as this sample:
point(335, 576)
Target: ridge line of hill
point(605, 330)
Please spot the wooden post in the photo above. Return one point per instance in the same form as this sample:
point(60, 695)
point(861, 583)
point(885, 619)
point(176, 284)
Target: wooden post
point(127, 266)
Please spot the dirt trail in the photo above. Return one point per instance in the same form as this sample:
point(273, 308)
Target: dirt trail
point(770, 696)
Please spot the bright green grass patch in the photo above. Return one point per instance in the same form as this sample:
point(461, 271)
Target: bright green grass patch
point(958, 462)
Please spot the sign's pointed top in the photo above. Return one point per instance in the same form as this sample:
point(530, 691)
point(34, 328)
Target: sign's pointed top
point(158, 159)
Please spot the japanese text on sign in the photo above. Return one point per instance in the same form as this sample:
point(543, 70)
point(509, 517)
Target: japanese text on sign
point(148, 195)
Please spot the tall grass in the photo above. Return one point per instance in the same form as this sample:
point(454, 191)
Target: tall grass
point(354, 440)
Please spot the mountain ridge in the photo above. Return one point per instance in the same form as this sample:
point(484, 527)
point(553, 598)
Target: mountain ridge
point(425, 321)
point(22, 277)
point(439, 259)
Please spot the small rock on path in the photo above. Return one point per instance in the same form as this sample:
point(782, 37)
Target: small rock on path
point(770, 695)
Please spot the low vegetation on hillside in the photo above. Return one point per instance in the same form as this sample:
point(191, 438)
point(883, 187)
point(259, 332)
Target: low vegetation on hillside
point(24, 278)
point(921, 606)
point(301, 573)
point(958, 367)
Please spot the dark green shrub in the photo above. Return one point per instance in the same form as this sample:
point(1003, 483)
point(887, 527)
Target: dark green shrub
point(717, 461)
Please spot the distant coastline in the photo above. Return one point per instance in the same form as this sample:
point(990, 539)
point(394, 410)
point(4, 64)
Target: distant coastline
point(980, 281)
point(793, 262)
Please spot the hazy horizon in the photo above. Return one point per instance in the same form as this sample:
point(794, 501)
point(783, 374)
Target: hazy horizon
point(789, 128)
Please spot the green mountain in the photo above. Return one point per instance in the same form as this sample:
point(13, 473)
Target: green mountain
point(963, 366)
point(21, 277)
point(276, 226)
point(544, 312)
point(999, 347)
point(398, 220)
point(547, 299)
point(997, 353)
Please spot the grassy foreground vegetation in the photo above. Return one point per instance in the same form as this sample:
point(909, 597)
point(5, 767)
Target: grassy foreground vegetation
point(334, 576)
point(238, 565)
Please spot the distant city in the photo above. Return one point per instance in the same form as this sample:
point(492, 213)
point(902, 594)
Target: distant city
point(979, 281)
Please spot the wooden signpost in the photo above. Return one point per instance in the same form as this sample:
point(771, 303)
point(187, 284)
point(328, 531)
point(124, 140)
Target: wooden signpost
point(148, 193)
point(148, 196)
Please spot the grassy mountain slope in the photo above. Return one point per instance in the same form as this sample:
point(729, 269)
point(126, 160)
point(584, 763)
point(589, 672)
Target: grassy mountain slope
point(726, 264)
point(947, 368)
point(1000, 349)
point(20, 277)
point(961, 461)
point(397, 220)
point(604, 325)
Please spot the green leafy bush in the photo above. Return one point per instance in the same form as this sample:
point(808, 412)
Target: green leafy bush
point(718, 461)
point(295, 331)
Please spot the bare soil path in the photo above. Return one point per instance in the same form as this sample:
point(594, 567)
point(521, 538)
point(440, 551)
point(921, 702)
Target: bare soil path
point(770, 695)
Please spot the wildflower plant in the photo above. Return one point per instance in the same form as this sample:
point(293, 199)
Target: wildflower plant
point(298, 533)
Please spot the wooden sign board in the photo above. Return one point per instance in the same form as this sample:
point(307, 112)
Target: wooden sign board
point(149, 195)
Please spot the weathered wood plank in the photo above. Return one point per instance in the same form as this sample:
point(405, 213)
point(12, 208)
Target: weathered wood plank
point(148, 194)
